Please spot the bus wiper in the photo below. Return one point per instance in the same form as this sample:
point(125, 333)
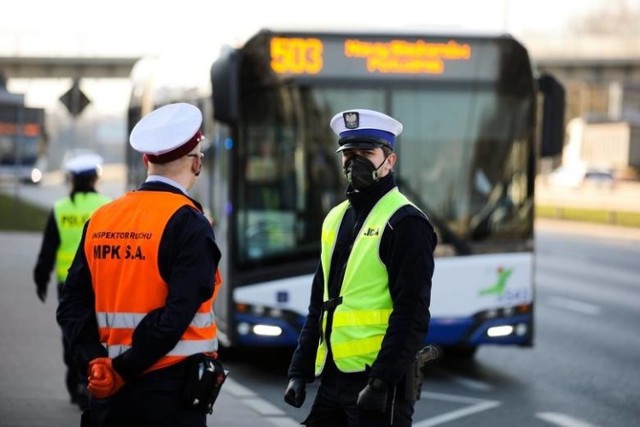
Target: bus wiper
point(448, 236)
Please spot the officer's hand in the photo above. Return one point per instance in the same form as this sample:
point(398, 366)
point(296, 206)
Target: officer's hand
point(104, 381)
point(373, 397)
point(295, 393)
point(41, 291)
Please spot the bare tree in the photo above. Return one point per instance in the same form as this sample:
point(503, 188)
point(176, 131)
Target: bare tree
point(613, 18)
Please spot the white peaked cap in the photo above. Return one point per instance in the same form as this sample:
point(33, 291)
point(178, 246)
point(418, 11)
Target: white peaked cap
point(360, 128)
point(83, 164)
point(168, 133)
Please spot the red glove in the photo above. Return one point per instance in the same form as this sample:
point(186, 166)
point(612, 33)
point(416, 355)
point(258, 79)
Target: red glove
point(104, 381)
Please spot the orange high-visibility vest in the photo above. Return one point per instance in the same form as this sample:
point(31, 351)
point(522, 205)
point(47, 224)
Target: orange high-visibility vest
point(122, 244)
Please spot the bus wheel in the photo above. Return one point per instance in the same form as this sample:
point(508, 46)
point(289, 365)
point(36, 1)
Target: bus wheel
point(460, 352)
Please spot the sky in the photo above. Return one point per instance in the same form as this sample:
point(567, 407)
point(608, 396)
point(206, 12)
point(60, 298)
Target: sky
point(198, 29)
point(133, 27)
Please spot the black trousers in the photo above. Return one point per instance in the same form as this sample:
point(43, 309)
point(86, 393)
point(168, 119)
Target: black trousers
point(75, 379)
point(335, 403)
point(153, 399)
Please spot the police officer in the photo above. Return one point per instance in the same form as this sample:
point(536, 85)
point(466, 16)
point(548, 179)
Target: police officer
point(369, 309)
point(137, 304)
point(61, 238)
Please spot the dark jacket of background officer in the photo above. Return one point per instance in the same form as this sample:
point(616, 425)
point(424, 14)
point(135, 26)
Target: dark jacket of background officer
point(375, 395)
point(187, 262)
point(61, 238)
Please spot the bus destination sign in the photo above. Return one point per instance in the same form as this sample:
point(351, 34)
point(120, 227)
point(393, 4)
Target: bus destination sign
point(353, 56)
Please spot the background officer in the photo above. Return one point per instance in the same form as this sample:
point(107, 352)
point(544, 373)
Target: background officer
point(61, 238)
point(137, 307)
point(369, 309)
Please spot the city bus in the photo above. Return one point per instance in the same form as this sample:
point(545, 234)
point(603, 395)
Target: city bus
point(477, 119)
point(22, 139)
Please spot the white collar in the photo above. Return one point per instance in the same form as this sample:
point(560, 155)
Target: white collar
point(166, 180)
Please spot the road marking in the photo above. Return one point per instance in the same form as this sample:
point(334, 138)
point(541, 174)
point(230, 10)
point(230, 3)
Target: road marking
point(470, 383)
point(476, 405)
point(275, 416)
point(263, 407)
point(466, 382)
point(562, 420)
point(283, 422)
point(237, 389)
point(574, 305)
point(271, 413)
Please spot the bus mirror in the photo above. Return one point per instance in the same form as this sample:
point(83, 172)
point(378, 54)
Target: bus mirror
point(553, 107)
point(224, 86)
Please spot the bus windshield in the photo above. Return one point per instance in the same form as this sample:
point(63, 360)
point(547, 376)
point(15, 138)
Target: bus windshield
point(462, 158)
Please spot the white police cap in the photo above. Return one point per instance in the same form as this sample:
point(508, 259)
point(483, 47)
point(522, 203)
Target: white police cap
point(84, 164)
point(365, 129)
point(167, 133)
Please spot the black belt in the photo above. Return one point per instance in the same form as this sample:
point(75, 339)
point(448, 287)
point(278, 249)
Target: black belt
point(331, 304)
point(328, 305)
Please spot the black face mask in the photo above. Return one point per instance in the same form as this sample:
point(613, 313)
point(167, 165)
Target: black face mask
point(361, 173)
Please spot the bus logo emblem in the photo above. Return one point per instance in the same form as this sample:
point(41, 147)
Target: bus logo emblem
point(499, 287)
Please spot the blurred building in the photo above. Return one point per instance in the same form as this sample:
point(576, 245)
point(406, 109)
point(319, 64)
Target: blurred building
point(601, 76)
point(605, 143)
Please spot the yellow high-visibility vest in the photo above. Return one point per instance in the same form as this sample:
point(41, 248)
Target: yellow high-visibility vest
point(70, 218)
point(361, 319)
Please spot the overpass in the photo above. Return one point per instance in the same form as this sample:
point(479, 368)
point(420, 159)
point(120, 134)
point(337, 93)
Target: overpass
point(32, 67)
point(76, 68)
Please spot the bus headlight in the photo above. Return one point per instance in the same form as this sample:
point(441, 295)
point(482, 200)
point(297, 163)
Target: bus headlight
point(500, 331)
point(520, 330)
point(36, 175)
point(267, 330)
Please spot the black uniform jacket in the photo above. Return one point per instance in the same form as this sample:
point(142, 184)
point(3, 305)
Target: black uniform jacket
point(188, 258)
point(406, 249)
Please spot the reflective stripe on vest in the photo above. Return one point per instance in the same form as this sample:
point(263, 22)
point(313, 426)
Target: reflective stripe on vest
point(122, 251)
point(360, 321)
point(70, 218)
point(123, 324)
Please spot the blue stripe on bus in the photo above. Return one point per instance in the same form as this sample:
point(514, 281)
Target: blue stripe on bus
point(466, 331)
point(449, 331)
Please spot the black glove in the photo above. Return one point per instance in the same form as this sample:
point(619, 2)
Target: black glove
point(295, 393)
point(373, 397)
point(41, 291)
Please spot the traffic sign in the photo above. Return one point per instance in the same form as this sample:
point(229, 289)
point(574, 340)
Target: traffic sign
point(75, 100)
